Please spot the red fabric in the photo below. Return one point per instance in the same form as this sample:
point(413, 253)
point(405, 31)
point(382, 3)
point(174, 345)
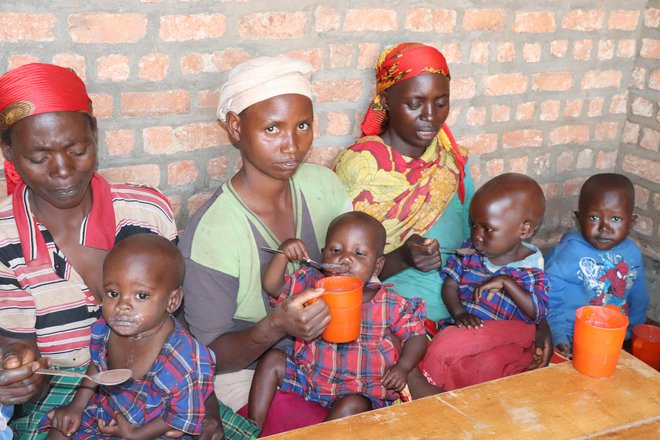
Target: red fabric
point(289, 411)
point(38, 88)
point(460, 357)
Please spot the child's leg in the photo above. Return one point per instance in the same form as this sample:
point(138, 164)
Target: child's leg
point(267, 377)
point(348, 405)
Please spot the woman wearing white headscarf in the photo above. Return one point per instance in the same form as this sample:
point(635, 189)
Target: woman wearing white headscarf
point(267, 109)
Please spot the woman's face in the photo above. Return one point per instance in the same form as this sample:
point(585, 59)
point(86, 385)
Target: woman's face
point(274, 135)
point(416, 107)
point(55, 155)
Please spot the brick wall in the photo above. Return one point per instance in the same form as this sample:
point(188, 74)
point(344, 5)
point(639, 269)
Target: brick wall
point(557, 90)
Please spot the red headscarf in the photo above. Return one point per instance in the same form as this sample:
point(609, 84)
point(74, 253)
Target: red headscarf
point(38, 88)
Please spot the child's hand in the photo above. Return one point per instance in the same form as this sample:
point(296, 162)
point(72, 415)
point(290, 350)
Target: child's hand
point(65, 419)
point(395, 378)
point(294, 249)
point(117, 427)
point(564, 350)
point(492, 286)
point(468, 320)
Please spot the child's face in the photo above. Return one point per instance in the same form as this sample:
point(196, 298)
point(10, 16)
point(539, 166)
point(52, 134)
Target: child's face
point(497, 229)
point(606, 218)
point(137, 299)
point(274, 135)
point(351, 243)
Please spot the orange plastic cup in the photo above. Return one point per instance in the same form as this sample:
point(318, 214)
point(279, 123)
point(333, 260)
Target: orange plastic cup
point(343, 295)
point(646, 344)
point(597, 339)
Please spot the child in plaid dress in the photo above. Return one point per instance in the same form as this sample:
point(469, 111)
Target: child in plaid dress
point(172, 373)
point(348, 378)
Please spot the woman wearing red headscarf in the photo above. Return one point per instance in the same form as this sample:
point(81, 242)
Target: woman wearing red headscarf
point(56, 228)
point(407, 171)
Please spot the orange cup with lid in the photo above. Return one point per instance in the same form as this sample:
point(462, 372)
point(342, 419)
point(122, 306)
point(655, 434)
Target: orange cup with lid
point(343, 295)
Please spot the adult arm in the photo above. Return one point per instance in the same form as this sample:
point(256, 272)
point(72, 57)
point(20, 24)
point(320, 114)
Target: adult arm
point(20, 358)
point(418, 252)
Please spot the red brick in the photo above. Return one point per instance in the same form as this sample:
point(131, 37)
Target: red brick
point(72, 61)
point(216, 168)
point(430, 20)
point(475, 116)
point(155, 103)
point(462, 88)
point(148, 174)
point(341, 55)
point(644, 168)
point(322, 155)
point(500, 113)
point(325, 19)
point(484, 19)
point(201, 136)
point(272, 25)
point(570, 134)
point(532, 52)
point(113, 68)
point(505, 84)
point(119, 142)
point(571, 187)
point(600, 79)
point(549, 110)
point(175, 202)
point(339, 124)
point(573, 108)
point(552, 81)
point(518, 164)
point(475, 171)
point(522, 138)
point(452, 53)
point(358, 20)
point(192, 27)
point(16, 61)
point(535, 22)
point(606, 131)
point(479, 52)
point(626, 48)
point(605, 160)
point(525, 111)
point(107, 28)
point(652, 18)
point(368, 55)
point(541, 164)
point(624, 20)
point(495, 167)
point(208, 98)
point(16, 26)
point(479, 144)
point(650, 48)
point(595, 107)
point(192, 63)
point(638, 78)
point(654, 79)
point(583, 20)
point(550, 190)
point(154, 66)
point(182, 173)
point(642, 107)
point(340, 90)
point(229, 58)
point(643, 225)
point(630, 133)
point(559, 48)
point(582, 49)
point(618, 104)
point(455, 112)
point(605, 50)
point(585, 159)
point(102, 105)
point(159, 140)
point(196, 201)
point(506, 51)
point(313, 56)
point(650, 139)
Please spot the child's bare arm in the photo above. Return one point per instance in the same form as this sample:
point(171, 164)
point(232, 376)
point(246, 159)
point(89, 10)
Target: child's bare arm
point(455, 307)
point(272, 279)
point(520, 296)
point(413, 351)
point(120, 427)
point(67, 418)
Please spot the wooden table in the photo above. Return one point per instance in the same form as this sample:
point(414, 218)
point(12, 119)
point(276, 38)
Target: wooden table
point(555, 402)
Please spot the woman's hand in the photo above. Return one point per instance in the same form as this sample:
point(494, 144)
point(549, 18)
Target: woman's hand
point(421, 253)
point(18, 383)
point(302, 316)
point(542, 346)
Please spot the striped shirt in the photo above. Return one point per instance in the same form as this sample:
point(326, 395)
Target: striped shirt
point(42, 297)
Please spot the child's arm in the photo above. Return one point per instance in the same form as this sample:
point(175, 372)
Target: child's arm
point(67, 418)
point(273, 276)
point(520, 296)
point(452, 300)
point(414, 350)
point(120, 427)
point(638, 300)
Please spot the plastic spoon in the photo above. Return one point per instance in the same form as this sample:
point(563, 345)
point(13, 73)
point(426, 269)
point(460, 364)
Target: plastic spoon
point(108, 377)
point(320, 266)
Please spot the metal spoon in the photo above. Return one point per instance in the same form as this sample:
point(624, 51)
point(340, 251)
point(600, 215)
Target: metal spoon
point(320, 266)
point(108, 377)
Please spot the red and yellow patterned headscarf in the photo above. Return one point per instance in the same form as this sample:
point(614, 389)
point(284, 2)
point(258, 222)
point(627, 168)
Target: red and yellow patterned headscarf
point(34, 89)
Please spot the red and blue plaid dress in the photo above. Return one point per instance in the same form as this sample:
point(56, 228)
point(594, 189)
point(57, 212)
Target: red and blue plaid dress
point(322, 371)
point(471, 271)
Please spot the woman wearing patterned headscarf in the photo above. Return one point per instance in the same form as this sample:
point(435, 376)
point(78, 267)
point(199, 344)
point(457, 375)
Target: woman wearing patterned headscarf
point(407, 171)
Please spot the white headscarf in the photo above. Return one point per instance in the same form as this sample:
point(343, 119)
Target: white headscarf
point(262, 78)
